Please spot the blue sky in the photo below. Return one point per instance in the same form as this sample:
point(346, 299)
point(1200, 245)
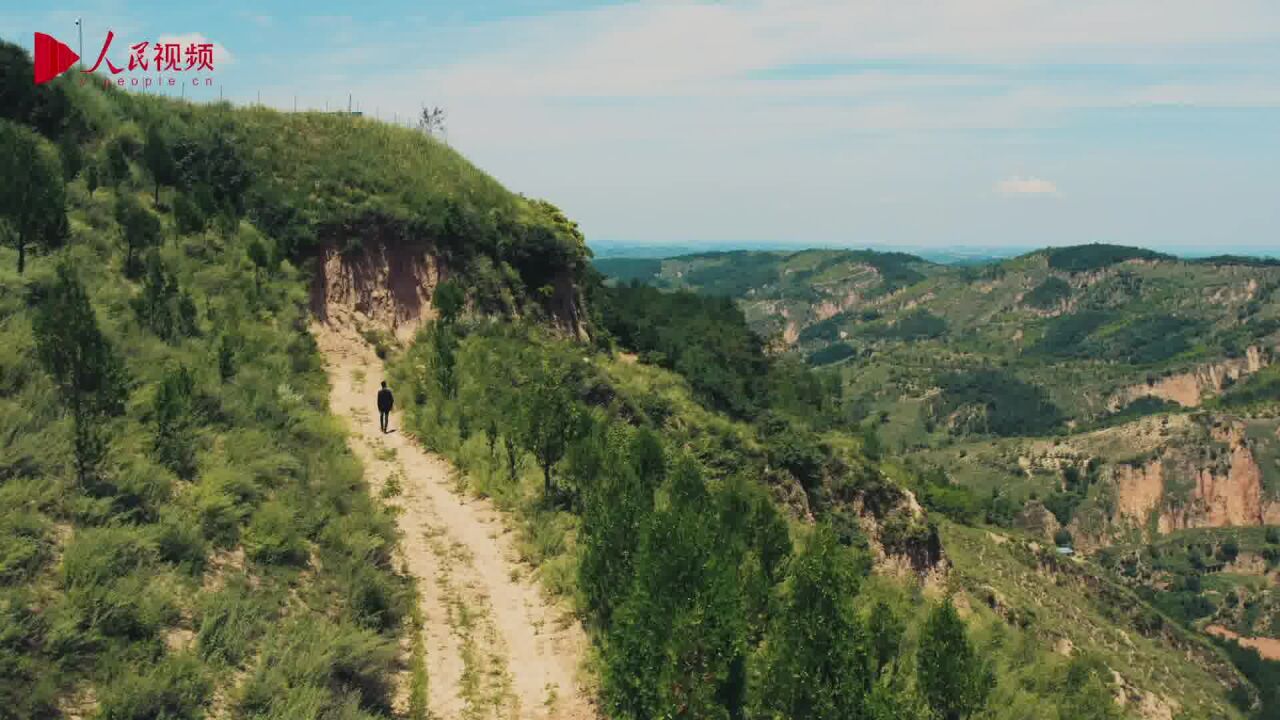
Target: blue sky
point(912, 122)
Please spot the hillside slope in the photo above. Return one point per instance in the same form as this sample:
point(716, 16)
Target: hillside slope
point(183, 531)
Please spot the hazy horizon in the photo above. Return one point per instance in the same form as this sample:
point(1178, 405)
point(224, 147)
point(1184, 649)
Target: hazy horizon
point(641, 249)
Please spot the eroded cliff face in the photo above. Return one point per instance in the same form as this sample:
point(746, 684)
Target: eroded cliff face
point(1139, 490)
point(376, 286)
point(1164, 473)
point(1226, 494)
point(1185, 485)
point(1190, 389)
point(378, 278)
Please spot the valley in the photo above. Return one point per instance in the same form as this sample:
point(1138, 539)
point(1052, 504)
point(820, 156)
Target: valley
point(1113, 401)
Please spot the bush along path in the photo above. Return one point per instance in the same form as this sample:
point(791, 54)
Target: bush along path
point(495, 648)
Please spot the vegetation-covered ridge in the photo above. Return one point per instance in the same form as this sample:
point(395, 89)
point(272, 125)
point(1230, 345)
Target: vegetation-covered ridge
point(183, 531)
point(1077, 396)
point(735, 557)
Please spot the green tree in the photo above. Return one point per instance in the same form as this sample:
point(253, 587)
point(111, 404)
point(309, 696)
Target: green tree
point(163, 306)
point(886, 630)
point(157, 154)
point(114, 162)
point(89, 373)
point(954, 680)
point(173, 413)
point(817, 663)
point(187, 215)
point(677, 643)
point(618, 497)
point(444, 343)
point(32, 196)
point(71, 155)
point(550, 414)
point(448, 300)
point(140, 230)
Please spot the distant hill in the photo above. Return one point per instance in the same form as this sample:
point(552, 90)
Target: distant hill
point(1117, 399)
point(1055, 341)
point(780, 292)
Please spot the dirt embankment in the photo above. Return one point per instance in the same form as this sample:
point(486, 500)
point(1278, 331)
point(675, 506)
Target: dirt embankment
point(376, 285)
point(1186, 490)
point(1268, 648)
point(1189, 389)
point(382, 279)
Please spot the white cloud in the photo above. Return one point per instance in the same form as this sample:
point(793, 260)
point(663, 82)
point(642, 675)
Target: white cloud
point(1026, 186)
point(221, 56)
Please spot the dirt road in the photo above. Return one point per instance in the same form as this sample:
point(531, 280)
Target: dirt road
point(495, 648)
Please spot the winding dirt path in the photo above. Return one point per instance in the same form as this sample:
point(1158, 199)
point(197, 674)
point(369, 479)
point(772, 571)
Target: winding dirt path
point(495, 648)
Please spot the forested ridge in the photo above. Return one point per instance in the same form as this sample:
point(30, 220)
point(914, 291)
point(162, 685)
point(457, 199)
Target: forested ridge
point(184, 533)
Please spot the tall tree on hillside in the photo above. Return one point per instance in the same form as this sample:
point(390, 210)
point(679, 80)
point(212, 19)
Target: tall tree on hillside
point(677, 643)
point(617, 493)
point(158, 156)
point(173, 412)
point(449, 300)
point(550, 412)
point(818, 664)
point(32, 196)
point(954, 680)
point(140, 229)
point(88, 371)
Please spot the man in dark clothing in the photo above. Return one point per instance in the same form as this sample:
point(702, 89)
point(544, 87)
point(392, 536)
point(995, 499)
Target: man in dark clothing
point(385, 401)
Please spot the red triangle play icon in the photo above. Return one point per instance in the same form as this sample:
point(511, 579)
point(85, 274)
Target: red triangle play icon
point(52, 58)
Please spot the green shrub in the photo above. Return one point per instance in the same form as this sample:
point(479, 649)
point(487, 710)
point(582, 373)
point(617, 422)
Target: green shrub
point(376, 601)
point(325, 661)
point(24, 544)
point(179, 540)
point(231, 622)
point(272, 536)
point(98, 556)
point(175, 689)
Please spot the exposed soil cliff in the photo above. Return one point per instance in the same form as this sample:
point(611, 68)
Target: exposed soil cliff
point(1190, 388)
point(1184, 485)
point(376, 277)
point(377, 285)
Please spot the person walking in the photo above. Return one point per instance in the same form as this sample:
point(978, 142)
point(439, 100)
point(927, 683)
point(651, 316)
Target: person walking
point(385, 402)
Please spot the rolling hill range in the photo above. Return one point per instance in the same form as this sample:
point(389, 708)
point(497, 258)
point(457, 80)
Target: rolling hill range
point(1114, 399)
